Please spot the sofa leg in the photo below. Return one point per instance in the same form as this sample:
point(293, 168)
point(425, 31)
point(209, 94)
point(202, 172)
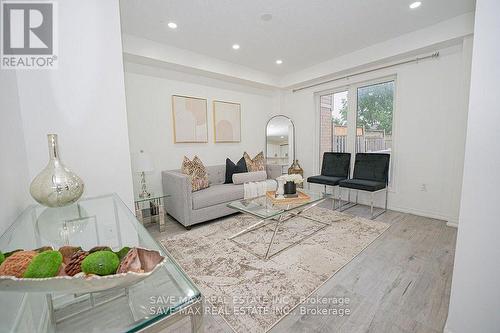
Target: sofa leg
point(188, 227)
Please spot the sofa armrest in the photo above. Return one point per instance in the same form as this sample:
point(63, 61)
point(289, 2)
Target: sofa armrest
point(179, 204)
point(273, 171)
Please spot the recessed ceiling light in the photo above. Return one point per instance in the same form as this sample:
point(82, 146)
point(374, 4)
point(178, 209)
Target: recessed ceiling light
point(236, 46)
point(266, 17)
point(415, 4)
point(172, 25)
point(279, 62)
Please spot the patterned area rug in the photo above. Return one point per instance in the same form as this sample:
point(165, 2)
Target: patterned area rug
point(252, 294)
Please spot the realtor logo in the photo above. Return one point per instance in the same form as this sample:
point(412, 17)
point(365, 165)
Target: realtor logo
point(28, 35)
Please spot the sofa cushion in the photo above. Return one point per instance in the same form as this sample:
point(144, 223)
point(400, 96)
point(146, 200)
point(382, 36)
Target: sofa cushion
point(258, 163)
point(217, 194)
point(196, 170)
point(255, 176)
point(362, 184)
point(325, 180)
point(232, 168)
point(216, 174)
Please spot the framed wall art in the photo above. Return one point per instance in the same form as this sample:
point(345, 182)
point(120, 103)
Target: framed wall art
point(227, 121)
point(189, 119)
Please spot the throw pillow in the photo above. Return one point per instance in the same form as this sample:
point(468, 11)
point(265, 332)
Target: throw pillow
point(232, 168)
point(246, 177)
point(255, 164)
point(196, 170)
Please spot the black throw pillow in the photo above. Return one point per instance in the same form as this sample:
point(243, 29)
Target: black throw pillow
point(232, 168)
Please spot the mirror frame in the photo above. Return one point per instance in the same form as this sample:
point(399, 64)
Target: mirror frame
point(293, 134)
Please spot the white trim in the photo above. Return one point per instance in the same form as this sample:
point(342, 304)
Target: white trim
point(450, 221)
point(453, 224)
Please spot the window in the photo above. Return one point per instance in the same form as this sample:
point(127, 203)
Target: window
point(333, 123)
point(366, 129)
point(374, 118)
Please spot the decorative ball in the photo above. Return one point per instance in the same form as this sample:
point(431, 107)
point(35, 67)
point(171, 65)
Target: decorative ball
point(123, 252)
point(16, 263)
point(44, 265)
point(100, 263)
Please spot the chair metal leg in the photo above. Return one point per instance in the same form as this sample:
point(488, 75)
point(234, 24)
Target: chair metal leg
point(386, 197)
point(357, 192)
point(385, 206)
point(340, 197)
point(333, 198)
point(371, 206)
point(325, 189)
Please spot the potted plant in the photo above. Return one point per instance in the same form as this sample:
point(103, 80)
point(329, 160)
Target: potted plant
point(291, 182)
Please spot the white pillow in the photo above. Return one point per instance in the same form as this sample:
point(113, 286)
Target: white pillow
point(245, 177)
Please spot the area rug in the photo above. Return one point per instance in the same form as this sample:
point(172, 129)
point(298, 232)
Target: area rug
point(252, 294)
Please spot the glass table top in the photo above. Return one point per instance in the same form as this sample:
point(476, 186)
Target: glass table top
point(264, 208)
point(103, 220)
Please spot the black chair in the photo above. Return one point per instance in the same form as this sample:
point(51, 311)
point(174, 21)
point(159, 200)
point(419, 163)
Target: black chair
point(335, 168)
point(371, 174)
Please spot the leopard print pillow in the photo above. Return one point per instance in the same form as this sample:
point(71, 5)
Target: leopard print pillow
point(258, 163)
point(196, 170)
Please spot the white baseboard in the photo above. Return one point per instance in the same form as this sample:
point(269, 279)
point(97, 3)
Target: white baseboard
point(453, 224)
point(450, 221)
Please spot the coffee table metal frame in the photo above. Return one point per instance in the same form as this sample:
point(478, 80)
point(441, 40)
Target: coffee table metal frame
point(279, 219)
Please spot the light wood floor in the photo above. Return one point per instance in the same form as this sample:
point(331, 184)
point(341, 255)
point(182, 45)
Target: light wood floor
point(400, 283)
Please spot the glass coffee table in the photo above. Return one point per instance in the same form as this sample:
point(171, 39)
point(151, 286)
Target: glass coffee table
point(276, 214)
point(152, 304)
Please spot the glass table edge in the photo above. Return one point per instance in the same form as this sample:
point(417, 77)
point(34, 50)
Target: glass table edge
point(154, 197)
point(279, 211)
point(172, 309)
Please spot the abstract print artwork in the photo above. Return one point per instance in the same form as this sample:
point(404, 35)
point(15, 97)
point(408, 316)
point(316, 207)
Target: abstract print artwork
point(190, 119)
point(227, 121)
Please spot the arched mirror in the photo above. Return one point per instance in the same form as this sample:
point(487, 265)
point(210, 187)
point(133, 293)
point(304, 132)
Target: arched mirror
point(280, 142)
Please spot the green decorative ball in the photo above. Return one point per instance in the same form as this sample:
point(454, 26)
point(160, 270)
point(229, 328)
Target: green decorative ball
point(101, 263)
point(44, 265)
point(2, 257)
point(123, 252)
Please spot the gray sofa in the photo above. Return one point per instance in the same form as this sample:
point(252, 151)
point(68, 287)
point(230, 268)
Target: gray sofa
point(190, 208)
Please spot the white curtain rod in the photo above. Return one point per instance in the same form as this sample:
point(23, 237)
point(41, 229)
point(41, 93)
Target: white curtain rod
point(417, 59)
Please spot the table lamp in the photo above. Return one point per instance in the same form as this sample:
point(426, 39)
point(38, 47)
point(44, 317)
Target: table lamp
point(144, 164)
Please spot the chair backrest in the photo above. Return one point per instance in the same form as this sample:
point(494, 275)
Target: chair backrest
point(336, 165)
point(372, 166)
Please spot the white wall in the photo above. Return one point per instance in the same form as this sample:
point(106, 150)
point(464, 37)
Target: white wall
point(475, 292)
point(149, 109)
point(83, 101)
point(14, 194)
point(429, 131)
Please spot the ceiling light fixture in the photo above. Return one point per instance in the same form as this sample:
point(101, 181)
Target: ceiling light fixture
point(279, 62)
point(415, 4)
point(172, 25)
point(266, 17)
point(236, 46)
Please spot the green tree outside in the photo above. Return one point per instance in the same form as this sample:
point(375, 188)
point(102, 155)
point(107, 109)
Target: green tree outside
point(375, 108)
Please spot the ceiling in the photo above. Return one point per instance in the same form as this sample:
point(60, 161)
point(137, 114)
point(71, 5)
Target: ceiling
point(301, 32)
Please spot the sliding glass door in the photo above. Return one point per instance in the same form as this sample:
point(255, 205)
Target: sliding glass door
point(375, 106)
point(333, 122)
point(363, 124)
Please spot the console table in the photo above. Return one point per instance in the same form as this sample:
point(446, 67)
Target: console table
point(149, 305)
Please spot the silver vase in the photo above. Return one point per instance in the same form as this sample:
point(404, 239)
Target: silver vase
point(56, 185)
